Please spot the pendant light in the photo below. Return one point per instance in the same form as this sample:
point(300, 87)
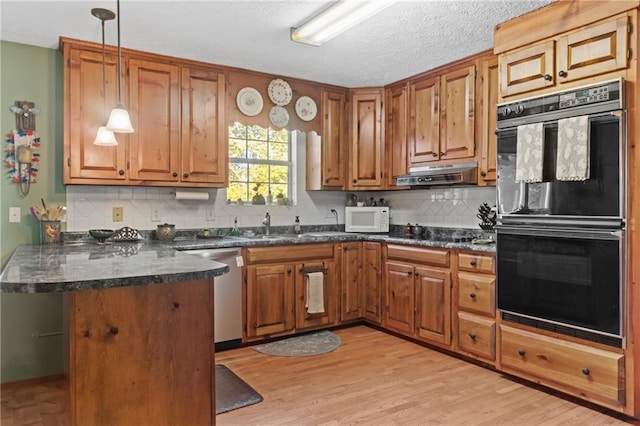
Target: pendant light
point(104, 137)
point(119, 121)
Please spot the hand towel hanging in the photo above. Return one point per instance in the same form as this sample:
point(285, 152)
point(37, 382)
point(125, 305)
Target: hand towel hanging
point(572, 162)
point(315, 293)
point(530, 153)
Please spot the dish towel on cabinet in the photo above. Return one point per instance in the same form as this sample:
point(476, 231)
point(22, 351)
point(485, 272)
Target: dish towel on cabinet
point(315, 293)
point(572, 162)
point(530, 153)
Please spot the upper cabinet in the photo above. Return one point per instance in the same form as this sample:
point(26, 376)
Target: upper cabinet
point(397, 99)
point(487, 170)
point(588, 51)
point(177, 110)
point(442, 116)
point(366, 143)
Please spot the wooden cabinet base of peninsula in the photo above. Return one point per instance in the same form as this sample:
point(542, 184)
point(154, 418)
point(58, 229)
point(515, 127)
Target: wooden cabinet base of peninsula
point(142, 355)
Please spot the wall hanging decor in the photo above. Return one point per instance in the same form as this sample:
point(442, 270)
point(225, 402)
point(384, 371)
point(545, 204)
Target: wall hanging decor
point(22, 153)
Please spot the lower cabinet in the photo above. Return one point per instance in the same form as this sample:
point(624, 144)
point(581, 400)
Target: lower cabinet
point(351, 281)
point(277, 291)
point(417, 293)
point(372, 275)
point(584, 371)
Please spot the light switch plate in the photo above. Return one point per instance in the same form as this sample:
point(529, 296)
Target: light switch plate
point(14, 214)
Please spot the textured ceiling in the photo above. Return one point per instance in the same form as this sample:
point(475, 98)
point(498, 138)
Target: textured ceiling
point(405, 39)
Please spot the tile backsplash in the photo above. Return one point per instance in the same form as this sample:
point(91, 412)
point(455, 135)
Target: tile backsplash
point(90, 207)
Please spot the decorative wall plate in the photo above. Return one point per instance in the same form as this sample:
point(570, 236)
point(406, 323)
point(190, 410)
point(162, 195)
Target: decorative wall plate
point(249, 101)
point(279, 116)
point(280, 92)
point(306, 108)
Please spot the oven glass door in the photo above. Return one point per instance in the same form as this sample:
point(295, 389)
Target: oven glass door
point(599, 197)
point(570, 277)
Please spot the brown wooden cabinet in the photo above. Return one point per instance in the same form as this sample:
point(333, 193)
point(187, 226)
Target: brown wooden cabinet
point(487, 169)
point(366, 143)
point(177, 109)
point(275, 296)
point(397, 99)
point(372, 275)
point(598, 48)
point(417, 288)
point(476, 306)
point(334, 140)
point(352, 283)
point(133, 345)
point(442, 117)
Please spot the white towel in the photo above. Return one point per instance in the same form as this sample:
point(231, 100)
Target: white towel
point(530, 153)
point(572, 162)
point(315, 293)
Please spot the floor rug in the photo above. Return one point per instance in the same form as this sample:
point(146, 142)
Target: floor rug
point(306, 345)
point(232, 392)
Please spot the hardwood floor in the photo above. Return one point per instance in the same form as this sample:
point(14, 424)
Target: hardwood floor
point(372, 379)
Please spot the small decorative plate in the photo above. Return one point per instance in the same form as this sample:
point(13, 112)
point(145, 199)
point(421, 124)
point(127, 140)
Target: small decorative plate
point(249, 101)
point(280, 92)
point(306, 108)
point(127, 234)
point(279, 116)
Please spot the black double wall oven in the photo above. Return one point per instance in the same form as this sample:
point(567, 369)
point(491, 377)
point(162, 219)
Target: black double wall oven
point(561, 253)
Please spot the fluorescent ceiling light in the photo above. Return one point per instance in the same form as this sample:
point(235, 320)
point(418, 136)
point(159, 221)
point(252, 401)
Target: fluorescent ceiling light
point(336, 20)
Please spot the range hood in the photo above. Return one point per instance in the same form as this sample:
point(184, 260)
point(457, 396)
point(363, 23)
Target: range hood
point(452, 174)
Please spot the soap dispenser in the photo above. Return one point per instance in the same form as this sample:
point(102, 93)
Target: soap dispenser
point(296, 225)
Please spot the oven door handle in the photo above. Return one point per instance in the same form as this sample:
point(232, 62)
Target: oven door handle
point(589, 234)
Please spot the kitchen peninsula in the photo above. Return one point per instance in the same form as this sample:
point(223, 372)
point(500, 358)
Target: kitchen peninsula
point(140, 328)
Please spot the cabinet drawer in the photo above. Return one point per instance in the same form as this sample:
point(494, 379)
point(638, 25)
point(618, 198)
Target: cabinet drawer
point(590, 372)
point(477, 293)
point(437, 257)
point(288, 253)
point(477, 335)
point(477, 262)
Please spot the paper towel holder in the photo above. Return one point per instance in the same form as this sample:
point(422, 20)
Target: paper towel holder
point(189, 194)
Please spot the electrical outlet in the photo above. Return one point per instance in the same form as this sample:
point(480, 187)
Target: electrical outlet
point(118, 214)
point(329, 214)
point(155, 215)
point(14, 214)
point(210, 215)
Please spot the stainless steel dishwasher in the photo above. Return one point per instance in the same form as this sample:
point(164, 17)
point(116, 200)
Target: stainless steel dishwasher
point(227, 297)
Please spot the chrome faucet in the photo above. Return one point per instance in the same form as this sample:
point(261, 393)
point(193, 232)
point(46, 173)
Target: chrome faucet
point(267, 223)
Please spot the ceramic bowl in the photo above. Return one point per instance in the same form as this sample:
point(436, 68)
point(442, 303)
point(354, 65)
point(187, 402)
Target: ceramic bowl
point(101, 234)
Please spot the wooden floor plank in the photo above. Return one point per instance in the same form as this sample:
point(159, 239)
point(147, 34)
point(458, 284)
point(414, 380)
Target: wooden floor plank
point(373, 378)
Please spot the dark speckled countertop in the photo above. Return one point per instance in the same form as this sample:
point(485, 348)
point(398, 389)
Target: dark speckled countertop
point(85, 265)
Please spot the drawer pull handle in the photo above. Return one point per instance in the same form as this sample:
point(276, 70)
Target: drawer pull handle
point(585, 371)
point(289, 271)
point(409, 273)
point(521, 352)
point(113, 330)
point(473, 336)
point(472, 295)
point(547, 77)
point(473, 263)
point(562, 74)
point(542, 357)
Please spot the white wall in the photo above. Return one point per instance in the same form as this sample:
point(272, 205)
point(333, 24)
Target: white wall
point(90, 207)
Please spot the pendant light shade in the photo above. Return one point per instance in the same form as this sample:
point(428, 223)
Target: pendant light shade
point(119, 121)
point(105, 137)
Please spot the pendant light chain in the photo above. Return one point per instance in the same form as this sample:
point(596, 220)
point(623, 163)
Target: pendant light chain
point(119, 56)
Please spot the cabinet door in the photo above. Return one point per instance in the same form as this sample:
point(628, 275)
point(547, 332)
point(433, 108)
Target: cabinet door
point(87, 108)
point(270, 299)
point(352, 306)
point(304, 318)
point(400, 297)
point(488, 141)
point(372, 281)
point(457, 114)
point(155, 114)
point(527, 69)
point(396, 134)
point(596, 49)
point(366, 141)
point(204, 133)
point(424, 130)
point(433, 309)
point(333, 139)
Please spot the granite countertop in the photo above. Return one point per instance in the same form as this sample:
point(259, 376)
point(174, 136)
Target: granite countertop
point(85, 265)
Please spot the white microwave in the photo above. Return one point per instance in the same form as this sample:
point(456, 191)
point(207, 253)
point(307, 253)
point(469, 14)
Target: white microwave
point(366, 219)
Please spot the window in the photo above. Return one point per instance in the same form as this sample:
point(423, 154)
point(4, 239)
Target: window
point(259, 163)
